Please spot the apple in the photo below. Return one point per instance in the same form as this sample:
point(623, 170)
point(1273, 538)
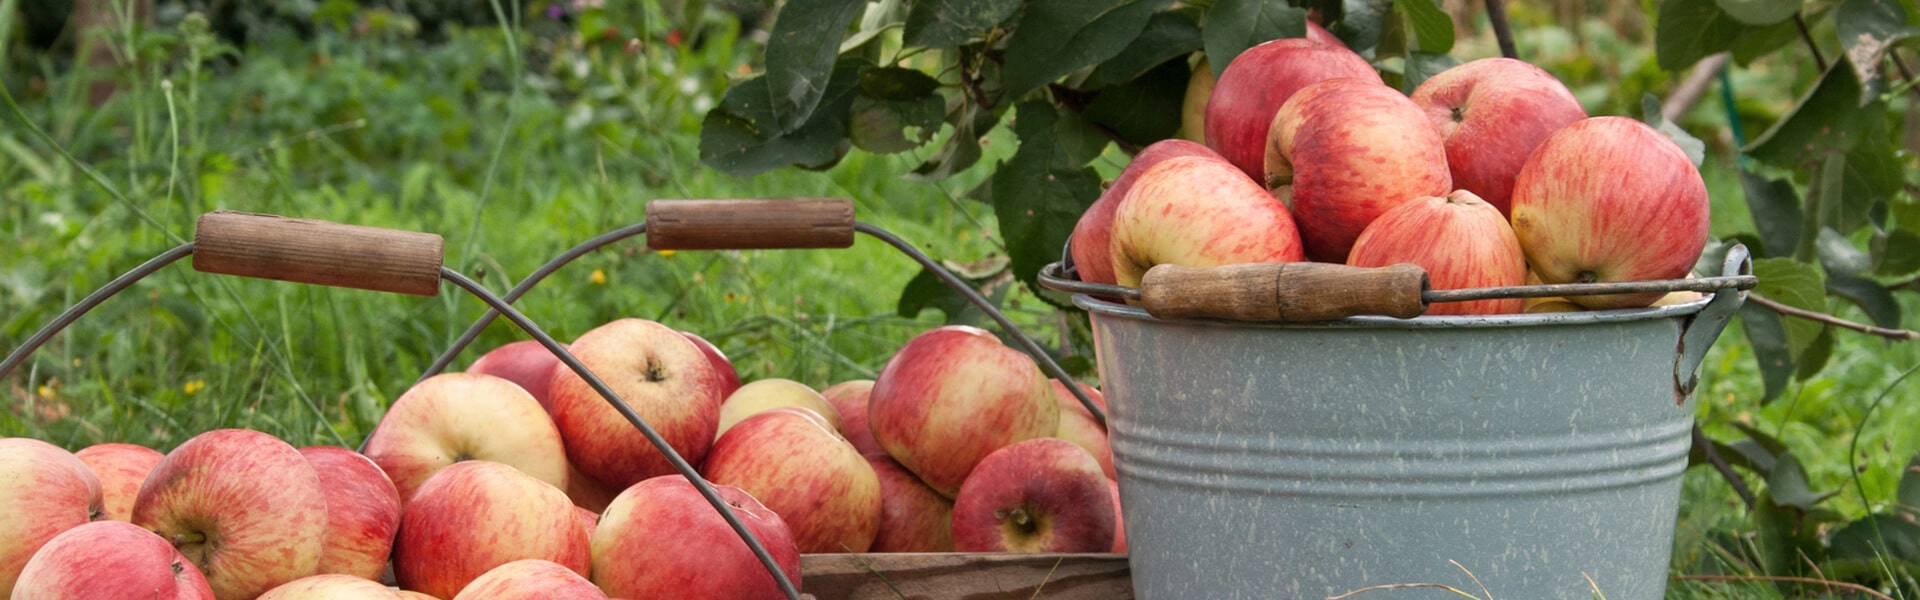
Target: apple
point(363, 512)
point(1491, 114)
point(452, 417)
point(1257, 81)
point(849, 399)
point(476, 515)
point(729, 376)
point(244, 506)
point(531, 579)
point(1198, 212)
point(792, 461)
point(752, 398)
point(330, 586)
point(1610, 199)
point(1077, 425)
point(121, 468)
point(586, 492)
point(1091, 241)
point(526, 363)
point(1119, 519)
point(953, 394)
point(913, 517)
point(413, 595)
point(44, 490)
point(1345, 150)
point(1460, 240)
point(110, 560)
point(1193, 105)
point(662, 376)
point(1039, 495)
point(661, 539)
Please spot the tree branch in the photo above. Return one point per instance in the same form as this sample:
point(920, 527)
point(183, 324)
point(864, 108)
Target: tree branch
point(1691, 89)
point(1497, 16)
point(1800, 20)
point(1892, 334)
point(1720, 464)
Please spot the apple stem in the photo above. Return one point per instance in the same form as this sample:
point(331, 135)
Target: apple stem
point(1586, 277)
point(1023, 520)
point(191, 537)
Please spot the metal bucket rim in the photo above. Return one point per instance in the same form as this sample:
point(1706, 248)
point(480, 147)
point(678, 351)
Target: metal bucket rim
point(1112, 309)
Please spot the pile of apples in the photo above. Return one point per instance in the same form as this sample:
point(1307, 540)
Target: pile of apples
point(1489, 174)
point(515, 479)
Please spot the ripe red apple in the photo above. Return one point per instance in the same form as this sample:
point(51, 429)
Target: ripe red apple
point(363, 512)
point(729, 376)
point(525, 363)
point(1254, 85)
point(1492, 113)
point(1345, 150)
point(44, 490)
point(1077, 425)
point(792, 461)
point(953, 394)
point(476, 515)
point(662, 375)
point(110, 560)
point(453, 417)
point(1610, 199)
point(1091, 242)
point(1461, 241)
point(1198, 212)
point(760, 395)
point(661, 539)
point(1119, 519)
point(244, 506)
point(330, 586)
point(413, 595)
point(531, 579)
point(121, 468)
point(913, 517)
point(1040, 495)
point(849, 398)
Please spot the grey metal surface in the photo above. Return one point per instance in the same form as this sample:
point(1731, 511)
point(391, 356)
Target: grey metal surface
point(1306, 461)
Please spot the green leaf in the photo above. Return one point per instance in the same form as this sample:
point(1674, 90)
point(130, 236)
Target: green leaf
point(1868, 30)
point(1898, 253)
point(1877, 537)
point(1872, 298)
point(1788, 486)
point(1330, 12)
point(1039, 193)
point(1650, 114)
point(1757, 42)
point(1821, 120)
point(897, 83)
point(1772, 445)
point(800, 58)
point(1775, 208)
point(1874, 170)
point(927, 290)
point(962, 149)
point(1432, 28)
point(1689, 30)
point(1168, 34)
point(1144, 110)
point(1058, 37)
point(949, 23)
point(1838, 254)
point(1233, 26)
point(888, 126)
point(1794, 284)
point(1815, 357)
point(739, 137)
point(1908, 494)
point(1421, 65)
point(1760, 12)
point(1767, 334)
point(1361, 25)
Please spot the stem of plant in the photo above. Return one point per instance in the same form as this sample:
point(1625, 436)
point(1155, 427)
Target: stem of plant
point(1497, 16)
point(1892, 334)
point(1720, 466)
point(1800, 20)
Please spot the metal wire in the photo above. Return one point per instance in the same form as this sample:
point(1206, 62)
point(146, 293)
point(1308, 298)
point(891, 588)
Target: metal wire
point(500, 307)
point(39, 338)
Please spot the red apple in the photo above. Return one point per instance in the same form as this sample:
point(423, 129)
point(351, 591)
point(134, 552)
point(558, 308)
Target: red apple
point(1040, 495)
point(453, 417)
point(1492, 113)
point(44, 490)
point(476, 515)
point(1198, 212)
point(729, 376)
point(1119, 519)
point(1091, 241)
point(525, 363)
point(1461, 241)
point(1193, 106)
point(110, 560)
point(1319, 33)
point(330, 586)
point(953, 394)
point(1077, 425)
point(1610, 199)
point(121, 468)
point(363, 512)
point(586, 492)
point(1254, 85)
point(1345, 150)
point(662, 375)
point(849, 398)
point(913, 517)
point(244, 506)
point(760, 395)
point(661, 539)
point(531, 579)
point(791, 460)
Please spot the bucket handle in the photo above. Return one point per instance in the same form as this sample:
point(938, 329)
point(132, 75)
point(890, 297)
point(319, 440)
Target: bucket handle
point(1698, 334)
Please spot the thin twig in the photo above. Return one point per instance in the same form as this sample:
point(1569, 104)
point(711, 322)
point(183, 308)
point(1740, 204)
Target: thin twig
point(1720, 464)
point(1829, 584)
point(1400, 586)
point(1800, 20)
point(1892, 334)
point(1476, 579)
point(1497, 16)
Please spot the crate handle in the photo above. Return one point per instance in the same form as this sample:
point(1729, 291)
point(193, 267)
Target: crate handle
point(750, 224)
point(318, 252)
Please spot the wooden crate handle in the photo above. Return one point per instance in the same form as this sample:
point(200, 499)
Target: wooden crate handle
point(750, 224)
point(1283, 292)
point(318, 252)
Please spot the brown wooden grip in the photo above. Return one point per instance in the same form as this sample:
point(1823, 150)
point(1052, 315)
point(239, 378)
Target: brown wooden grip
point(1283, 292)
point(750, 224)
point(318, 252)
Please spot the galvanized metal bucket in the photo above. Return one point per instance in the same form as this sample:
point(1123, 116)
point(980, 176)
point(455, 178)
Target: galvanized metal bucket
point(1537, 455)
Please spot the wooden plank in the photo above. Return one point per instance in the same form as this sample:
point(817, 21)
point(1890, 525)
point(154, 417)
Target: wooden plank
point(969, 576)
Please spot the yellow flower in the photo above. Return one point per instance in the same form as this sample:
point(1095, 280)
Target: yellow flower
point(599, 277)
point(47, 392)
point(194, 387)
point(666, 253)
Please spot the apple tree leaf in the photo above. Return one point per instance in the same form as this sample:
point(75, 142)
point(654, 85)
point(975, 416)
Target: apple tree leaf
point(1763, 40)
point(1061, 36)
point(1168, 34)
point(1874, 538)
point(1872, 298)
point(1689, 30)
point(1775, 207)
point(800, 58)
point(740, 136)
point(1795, 284)
point(1233, 26)
point(889, 126)
point(1651, 114)
point(1766, 332)
point(1788, 486)
point(950, 23)
point(1908, 494)
point(1418, 66)
point(1360, 24)
point(1821, 120)
point(1432, 28)
point(1760, 12)
point(1868, 29)
point(1897, 252)
point(1040, 192)
point(1815, 356)
point(927, 290)
point(1838, 255)
point(962, 149)
point(1146, 109)
point(897, 83)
